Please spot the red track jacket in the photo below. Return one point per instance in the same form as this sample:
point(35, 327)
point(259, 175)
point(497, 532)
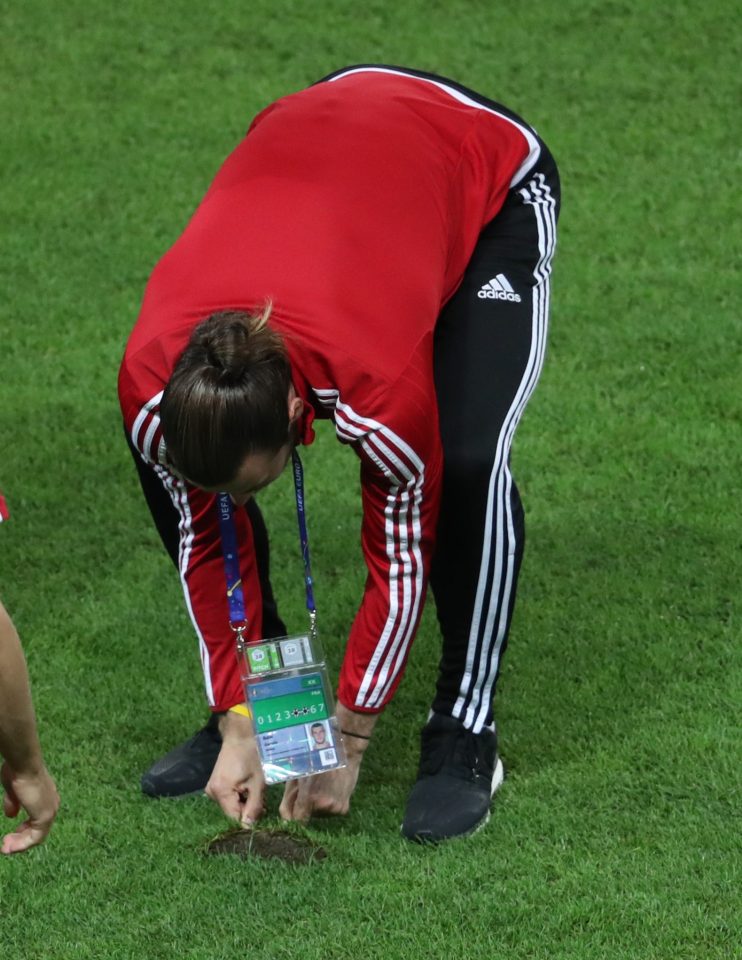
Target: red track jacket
point(354, 206)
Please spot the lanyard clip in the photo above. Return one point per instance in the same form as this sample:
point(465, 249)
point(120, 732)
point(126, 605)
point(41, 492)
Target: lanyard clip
point(240, 631)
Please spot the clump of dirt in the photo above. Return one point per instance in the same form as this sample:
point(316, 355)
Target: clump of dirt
point(268, 844)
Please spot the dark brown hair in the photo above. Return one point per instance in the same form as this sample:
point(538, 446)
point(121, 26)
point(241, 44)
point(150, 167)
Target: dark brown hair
point(227, 397)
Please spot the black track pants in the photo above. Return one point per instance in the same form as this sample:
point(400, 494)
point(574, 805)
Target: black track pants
point(489, 351)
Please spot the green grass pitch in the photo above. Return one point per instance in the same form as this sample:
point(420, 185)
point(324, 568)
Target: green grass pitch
point(616, 834)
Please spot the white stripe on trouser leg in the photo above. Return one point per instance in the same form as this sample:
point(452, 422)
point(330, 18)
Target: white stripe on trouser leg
point(489, 659)
point(480, 672)
point(481, 697)
point(484, 586)
point(488, 586)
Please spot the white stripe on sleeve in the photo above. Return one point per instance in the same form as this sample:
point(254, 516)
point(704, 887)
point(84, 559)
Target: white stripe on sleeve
point(405, 471)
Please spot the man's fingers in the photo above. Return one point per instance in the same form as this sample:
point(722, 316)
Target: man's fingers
point(286, 810)
point(243, 802)
point(254, 805)
point(23, 838)
point(252, 810)
point(303, 807)
point(227, 798)
point(322, 796)
point(303, 801)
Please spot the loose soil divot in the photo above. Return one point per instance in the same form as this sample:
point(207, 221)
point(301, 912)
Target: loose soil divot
point(268, 844)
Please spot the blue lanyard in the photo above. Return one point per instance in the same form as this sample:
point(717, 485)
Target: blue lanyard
point(231, 554)
point(301, 516)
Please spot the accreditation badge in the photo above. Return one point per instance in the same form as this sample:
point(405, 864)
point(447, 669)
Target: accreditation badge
point(289, 697)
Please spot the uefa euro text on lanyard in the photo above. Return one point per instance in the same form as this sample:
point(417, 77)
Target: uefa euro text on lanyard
point(286, 682)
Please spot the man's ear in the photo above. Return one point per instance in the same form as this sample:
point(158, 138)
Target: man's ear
point(296, 406)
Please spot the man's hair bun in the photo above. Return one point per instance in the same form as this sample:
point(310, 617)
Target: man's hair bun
point(227, 396)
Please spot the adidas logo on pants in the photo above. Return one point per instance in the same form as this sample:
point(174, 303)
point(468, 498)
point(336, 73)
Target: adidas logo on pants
point(498, 288)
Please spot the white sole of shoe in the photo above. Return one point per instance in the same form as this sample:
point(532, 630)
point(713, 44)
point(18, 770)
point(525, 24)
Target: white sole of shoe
point(497, 778)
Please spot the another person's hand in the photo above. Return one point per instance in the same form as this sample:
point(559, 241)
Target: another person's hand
point(36, 793)
point(237, 783)
point(328, 794)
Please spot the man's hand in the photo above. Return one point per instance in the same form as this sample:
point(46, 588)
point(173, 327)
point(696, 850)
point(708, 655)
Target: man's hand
point(325, 794)
point(237, 783)
point(328, 794)
point(35, 793)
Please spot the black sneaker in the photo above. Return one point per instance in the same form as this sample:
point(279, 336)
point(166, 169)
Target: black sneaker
point(459, 772)
point(186, 769)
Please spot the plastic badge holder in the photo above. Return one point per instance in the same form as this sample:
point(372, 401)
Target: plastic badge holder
point(288, 694)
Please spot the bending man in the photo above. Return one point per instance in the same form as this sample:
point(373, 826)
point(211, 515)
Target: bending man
point(376, 251)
